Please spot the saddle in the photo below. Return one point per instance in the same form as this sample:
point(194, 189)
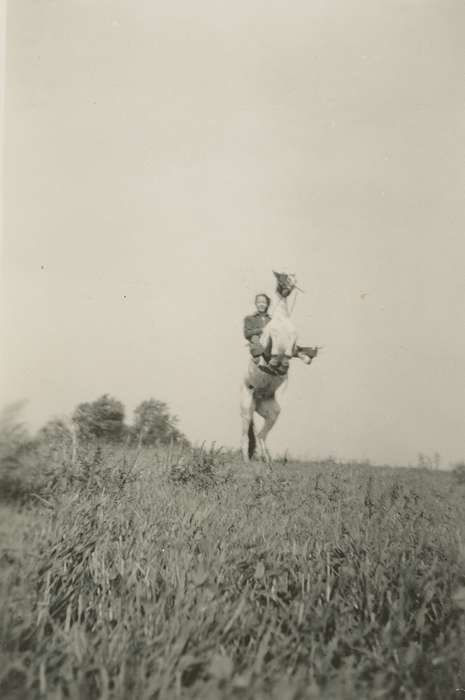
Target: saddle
point(278, 366)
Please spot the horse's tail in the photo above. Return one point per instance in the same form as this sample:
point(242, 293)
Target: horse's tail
point(252, 439)
point(285, 383)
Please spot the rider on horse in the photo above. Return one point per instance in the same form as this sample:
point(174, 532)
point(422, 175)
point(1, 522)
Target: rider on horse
point(272, 342)
point(255, 323)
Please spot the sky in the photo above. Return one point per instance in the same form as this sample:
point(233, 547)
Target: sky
point(161, 159)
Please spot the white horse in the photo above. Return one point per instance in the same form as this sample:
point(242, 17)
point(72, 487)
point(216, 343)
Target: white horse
point(263, 380)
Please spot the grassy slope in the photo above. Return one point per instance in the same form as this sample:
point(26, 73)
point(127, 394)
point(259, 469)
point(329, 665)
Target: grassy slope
point(218, 581)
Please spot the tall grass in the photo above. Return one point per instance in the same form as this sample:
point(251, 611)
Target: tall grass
point(159, 575)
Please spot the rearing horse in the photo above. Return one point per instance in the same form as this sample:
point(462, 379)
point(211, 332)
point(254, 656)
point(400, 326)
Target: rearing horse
point(263, 380)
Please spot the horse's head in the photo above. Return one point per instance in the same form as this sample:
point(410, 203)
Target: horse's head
point(285, 283)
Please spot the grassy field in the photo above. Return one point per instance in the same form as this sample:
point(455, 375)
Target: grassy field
point(191, 575)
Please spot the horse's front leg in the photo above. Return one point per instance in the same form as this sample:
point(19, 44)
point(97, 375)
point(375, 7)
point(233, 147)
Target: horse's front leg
point(269, 410)
point(289, 350)
point(291, 344)
point(306, 354)
point(304, 357)
point(270, 339)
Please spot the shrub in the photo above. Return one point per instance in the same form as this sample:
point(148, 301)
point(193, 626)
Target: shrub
point(199, 467)
point(16, 448)
point(459, 472)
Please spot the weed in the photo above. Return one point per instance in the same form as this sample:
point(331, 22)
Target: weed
point(176, 574)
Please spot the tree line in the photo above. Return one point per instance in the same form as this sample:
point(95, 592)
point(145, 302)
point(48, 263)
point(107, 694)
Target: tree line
point(104, 420)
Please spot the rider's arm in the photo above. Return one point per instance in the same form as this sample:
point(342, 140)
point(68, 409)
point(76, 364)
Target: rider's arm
point(253, 325)
point(249, 327)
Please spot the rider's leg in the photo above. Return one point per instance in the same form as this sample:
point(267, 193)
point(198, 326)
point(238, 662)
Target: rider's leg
point(256, 349)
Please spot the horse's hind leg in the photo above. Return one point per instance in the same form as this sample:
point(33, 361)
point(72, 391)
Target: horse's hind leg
point(247, 411)
point(269, 410)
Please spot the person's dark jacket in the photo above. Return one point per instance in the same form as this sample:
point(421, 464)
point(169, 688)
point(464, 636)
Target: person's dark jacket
point(254, 325)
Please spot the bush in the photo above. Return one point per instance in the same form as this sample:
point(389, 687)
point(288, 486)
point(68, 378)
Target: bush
point(199, 467)
point(320, 582)
point(16, 449)
point(459, 472)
